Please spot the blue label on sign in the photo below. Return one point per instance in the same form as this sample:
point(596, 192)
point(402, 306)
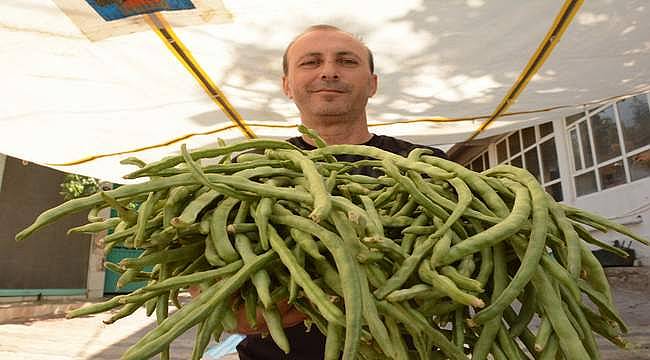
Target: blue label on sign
point(119, 9)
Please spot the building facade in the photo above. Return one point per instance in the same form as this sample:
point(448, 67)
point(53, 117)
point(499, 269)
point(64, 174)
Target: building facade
point(597, 159)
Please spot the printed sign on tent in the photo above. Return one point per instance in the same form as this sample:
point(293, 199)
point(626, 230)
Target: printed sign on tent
point(101, 19)
point(111, 10)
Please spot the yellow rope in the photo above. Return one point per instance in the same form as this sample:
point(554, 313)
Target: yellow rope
point(544, 50)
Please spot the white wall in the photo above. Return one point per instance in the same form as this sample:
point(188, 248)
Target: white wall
point(627, 204)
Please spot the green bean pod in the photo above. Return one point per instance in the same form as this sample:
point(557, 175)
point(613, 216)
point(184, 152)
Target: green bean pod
point(333, 341)
point(191, 313)
point(543, 333)
point(274, 324)
point(169, 162)
point(460, 280)
point(491, 328)
point(312, 291)
point(218, 230)
point(407, 267)
point(445, 285)
point(322, 201)
point(376, 153)
point(191, 211)
point(349, 282)
point(499, 232)
point(206, 329)
point(95, 227)
point(551, 302)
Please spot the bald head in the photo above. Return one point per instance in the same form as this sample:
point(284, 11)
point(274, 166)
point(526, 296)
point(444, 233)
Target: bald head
point(324, 27)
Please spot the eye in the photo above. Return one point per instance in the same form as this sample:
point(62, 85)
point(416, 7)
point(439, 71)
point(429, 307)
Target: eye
point(309, 63)
point(349, 61)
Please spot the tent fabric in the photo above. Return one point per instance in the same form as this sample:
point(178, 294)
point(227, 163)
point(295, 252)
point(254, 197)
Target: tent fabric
point(68, 96)
point(116, 17)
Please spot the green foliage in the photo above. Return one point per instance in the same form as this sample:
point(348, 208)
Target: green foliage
point(76, 186)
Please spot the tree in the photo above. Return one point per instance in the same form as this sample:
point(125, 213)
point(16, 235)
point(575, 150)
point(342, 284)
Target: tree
point(76, 186)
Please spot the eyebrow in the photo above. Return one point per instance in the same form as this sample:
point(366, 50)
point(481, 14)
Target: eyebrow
point(339, 53)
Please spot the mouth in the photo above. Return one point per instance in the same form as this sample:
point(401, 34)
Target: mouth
point(328, 91)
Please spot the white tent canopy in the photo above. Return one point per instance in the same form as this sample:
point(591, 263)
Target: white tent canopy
point(75, 86)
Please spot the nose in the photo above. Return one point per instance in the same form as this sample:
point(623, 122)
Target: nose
point(329, 71)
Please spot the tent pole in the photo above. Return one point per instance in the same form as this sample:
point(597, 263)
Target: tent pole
point(162, 28)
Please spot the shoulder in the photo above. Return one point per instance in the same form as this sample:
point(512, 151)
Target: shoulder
point(401, 147)
point(296, 141)
point(300, 143)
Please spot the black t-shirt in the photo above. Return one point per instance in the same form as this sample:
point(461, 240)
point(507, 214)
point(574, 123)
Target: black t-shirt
point(388, 143)
point(310, 345)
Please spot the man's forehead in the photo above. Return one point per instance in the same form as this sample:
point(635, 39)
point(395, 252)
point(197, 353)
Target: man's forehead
point(321, 41)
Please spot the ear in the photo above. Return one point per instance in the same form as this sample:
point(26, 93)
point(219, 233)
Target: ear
point(373, 85)
point(285, 87)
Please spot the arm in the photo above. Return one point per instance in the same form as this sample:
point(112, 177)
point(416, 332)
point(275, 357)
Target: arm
point(290, 316)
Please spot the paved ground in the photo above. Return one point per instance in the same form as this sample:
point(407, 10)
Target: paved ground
point(81, 338)
point(634, 305)
point(56, 338)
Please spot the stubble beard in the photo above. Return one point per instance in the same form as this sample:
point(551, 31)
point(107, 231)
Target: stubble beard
point(332, 108)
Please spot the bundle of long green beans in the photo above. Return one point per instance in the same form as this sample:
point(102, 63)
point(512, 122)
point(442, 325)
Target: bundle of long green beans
point(429, 260)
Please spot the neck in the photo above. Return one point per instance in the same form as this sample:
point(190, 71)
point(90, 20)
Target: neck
point(338, 131)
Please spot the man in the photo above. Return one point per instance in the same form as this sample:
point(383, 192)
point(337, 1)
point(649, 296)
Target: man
point(329, 75)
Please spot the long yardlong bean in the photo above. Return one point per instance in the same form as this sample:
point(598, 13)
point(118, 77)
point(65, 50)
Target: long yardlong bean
point(169, 162)
point(533, 252)
point(313, 292)
point(431, 171)
point(349, 282)
point(508, 227)
point(459, 229)
point(322, 201)
point(371, 316)
point(581, 214)
point(188, 315)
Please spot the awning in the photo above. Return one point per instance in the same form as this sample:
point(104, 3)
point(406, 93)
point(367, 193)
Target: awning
point(76, 86)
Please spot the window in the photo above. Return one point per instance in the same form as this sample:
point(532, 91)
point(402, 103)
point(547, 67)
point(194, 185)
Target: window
point(610, 145)
point(545, 129)
point(635, 121)
point(532, 162)
point(479, 163)
point(533, 149)
point(502, 152)
point(639, 165)
point(528, 135)
point(550, 168)
point(573, 118)
point(603, 126)
point(555, 190)
point(612, 175)
point(513, 144)
point(586, 144)
point(586, 183)
point(575, 144)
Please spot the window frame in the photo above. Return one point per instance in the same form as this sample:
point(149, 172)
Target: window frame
point(596, 166)
point(485, 160)
point(539, 140)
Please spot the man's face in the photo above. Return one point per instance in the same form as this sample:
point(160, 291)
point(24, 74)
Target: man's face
point(328, 74)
